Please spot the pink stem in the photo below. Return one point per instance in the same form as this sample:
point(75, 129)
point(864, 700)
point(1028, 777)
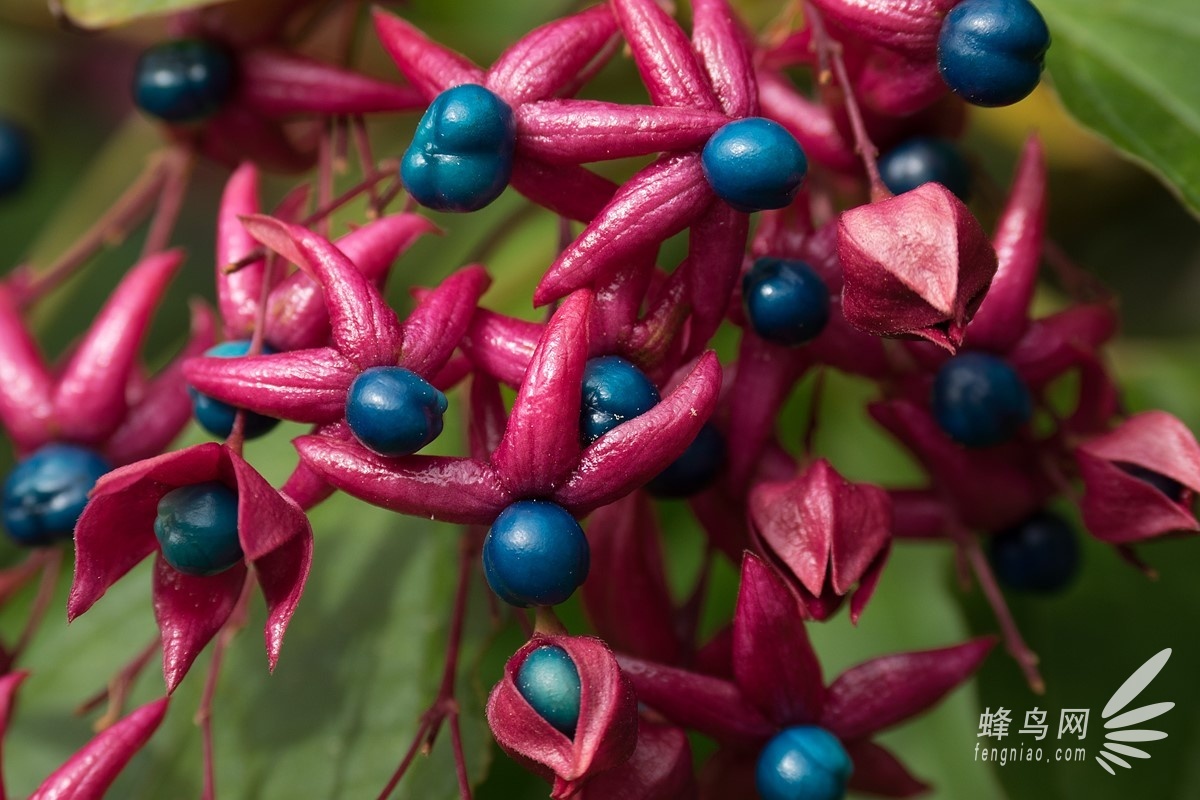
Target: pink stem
point(119, 686)
point(41, 601)
point(325, 176)
point(170, 201)
point(362, 145)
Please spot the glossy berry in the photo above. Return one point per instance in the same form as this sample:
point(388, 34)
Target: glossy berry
point(754, 164)
point(786, 301)
point(614, 390)
point(803, 763)
point(461, 155)
point(535, 554)
point(980, 400)
point(186, 80)
point(197, 528)
point(394, 411)
point(549, 681)
point(922, 160)
point(990, 52)
point(16, 155)
point(1168, 486)
point(46, 492)
point(1039, 555)
point(695, 470)
point(217, 417)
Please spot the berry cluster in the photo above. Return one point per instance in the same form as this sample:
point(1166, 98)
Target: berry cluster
point(873, 268)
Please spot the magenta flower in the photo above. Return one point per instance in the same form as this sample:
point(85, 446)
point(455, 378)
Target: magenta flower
point(659, 769)
point(826, 534)
point(1140, 480)
point(116, 531)
point(539, 454)
point(777, 684)
point(99, 398)
point(607, 728)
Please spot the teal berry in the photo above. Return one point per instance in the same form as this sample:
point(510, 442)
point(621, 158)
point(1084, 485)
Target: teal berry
point(45, 493)
point(803, 763)
point(461, 156)
point(925, 159)
point(217, 417)
point(394, 411)
point(535, 554)
point(549, 681)
point(754, 164)
point(197, 528)
point(614, 390)
point(990, 52)
point(182, 81)
point(979, 400)
point(695, 470)
point(16, 157)
point(786, 301)
point(1040, 555)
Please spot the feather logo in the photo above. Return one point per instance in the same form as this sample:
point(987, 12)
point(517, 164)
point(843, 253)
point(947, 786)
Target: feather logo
point(1120, 723)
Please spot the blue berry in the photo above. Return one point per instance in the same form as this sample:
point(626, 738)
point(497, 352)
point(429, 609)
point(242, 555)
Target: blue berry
point(186, 80)
point(614, 390)
point(925, 159)
point(1039, 555)
point(16, 155)
point(786, 301)
point(990, 52)
point(549, 681)
point(217, 417)
point(754, 164)
point(803, 763)
point(1172, 488)
point(46, 492)
point(197, 528)
point(461, 156)
point(394, 411)
point(695, 470)
point(535, 554)
point(980, 400)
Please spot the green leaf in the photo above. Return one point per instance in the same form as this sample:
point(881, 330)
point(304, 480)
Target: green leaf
point(109, 13)
point(1126, 69)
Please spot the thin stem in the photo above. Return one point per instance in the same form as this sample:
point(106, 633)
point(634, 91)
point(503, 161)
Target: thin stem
point(325, 175)
point(41, 601)
point(362, 146)
point(119, 687)
point(460, 759)
point(12, 580)
point(500, 233)
point(546, 622)
point(170, 200)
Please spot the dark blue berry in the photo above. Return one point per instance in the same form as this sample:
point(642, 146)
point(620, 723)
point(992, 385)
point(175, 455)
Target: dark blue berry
point(549, 681)
point(1039, 555)
point(754, 164)
point(535, 554)
point(1172, 488)
point(925, 159)
point(614, 390)
point(786, 301)
point(990, 52)
point(217, 417)
point(695, 470)
point(46, 492)
point(461, 156)
point(980, 400)
point(197, 528)
point(16, 155)
point(186, 80)
point(394, 411)
point(803, 763)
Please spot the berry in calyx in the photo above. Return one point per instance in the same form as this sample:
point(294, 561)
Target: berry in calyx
point(394, 411)
point(614, 390)
point(1172, 488)
point(990, 52)
point(535, 554)
point(980, 400)
point(46, 492)
point(461, 156)
point(754, 164)
point(1039, 555)
point(181, 81)
point(197, 528)
point(803, 763)
point(217, 417)
point(786, 301)
point(16, 156)
point(695, 470)
point(549, 681)
point(925, 159)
